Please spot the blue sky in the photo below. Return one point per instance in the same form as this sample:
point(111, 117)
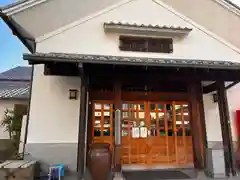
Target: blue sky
point(11, 48)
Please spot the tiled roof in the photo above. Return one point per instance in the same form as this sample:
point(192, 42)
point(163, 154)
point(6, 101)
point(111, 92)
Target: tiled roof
point(14, 89)
point(19, 93)
point(142, 61)
point(17, 73)
point(15, 83)
point(136, 25)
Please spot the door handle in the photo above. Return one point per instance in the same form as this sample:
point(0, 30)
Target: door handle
point(118, 127)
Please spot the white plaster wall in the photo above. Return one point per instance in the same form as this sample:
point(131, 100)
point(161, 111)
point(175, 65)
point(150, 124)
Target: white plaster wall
point(88, 36)
point(222, 20)
point(213, 126)
point(7, 104)
point(212, 121)
point(53, 116)
point(233, 95)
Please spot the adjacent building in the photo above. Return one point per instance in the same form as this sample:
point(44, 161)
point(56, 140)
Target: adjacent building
point(14, 92)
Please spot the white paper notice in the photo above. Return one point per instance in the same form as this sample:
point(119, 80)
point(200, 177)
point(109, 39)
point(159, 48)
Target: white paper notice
point(143, 132)
point(135, 132)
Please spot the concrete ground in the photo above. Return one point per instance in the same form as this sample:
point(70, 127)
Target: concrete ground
point(202, 176)
point(140, 175)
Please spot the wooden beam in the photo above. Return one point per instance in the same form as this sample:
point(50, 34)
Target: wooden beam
point(209, 88)
point(213, 87)
point(167, 73)
point(82, 127)
point(62, 69)
point(202, 123)
point(180, 74)
point(226, 129)
point(231, 85)
point(196, 125)
point(118, 105)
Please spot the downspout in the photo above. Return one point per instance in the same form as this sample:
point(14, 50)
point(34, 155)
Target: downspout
point(28, 112)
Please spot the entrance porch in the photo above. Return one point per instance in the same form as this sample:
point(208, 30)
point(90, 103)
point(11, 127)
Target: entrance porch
point(156, 126)
point(162, 114)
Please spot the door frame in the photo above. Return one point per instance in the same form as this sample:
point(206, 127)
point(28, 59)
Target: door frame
point(117, 96)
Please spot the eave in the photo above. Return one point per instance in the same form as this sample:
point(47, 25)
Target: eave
point(232, 4)
point(41, 58)
point(229, 5)
point(18, 31)
point(19, 6)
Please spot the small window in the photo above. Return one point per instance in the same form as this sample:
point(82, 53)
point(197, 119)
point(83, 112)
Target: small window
point(140, 44)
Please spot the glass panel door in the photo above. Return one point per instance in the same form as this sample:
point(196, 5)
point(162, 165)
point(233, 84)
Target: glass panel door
point(103, 122)
point(133, 118)
point(184, 137)
point(169, 140)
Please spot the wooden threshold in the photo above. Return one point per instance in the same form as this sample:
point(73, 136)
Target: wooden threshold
point(155, 167)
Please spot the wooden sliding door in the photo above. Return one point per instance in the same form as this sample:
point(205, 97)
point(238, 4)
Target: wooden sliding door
point(156, 134)
point(153, 133)
point(102, 123)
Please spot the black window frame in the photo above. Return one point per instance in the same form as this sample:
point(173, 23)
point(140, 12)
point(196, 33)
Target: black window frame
point(143, 44)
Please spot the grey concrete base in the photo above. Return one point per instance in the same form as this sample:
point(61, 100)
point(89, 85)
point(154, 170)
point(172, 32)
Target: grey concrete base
point(87, 175)
point(49, 154)
point(118, 176)
point(215, 161)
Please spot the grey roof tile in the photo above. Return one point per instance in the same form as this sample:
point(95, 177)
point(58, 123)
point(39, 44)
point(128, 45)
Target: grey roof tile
point(15, 83)
point(102, 59)
point(22, 93)
point(14, 89)
point(152, 26)
point(17, 73)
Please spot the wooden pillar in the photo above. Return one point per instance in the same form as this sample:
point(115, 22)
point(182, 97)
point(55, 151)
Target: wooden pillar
point(195, 120)
point(226, 129)
point(82, 126)
point(202, 123)
point(89, 126)
point(117, 148)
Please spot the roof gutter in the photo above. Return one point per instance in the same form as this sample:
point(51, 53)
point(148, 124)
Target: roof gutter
point(25, 40)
